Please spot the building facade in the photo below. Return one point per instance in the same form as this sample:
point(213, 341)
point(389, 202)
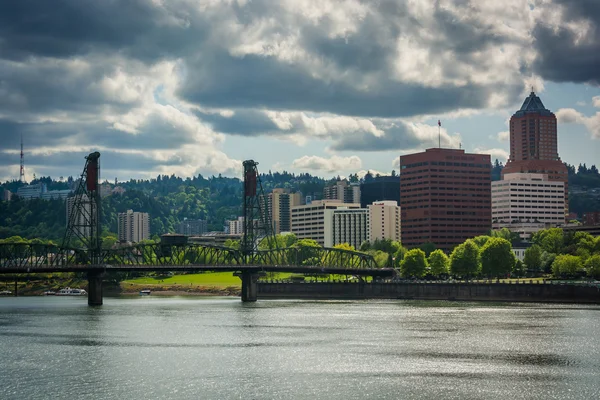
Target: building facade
point(236, 226)
point(345, 225)
point(134, 226)
point(81, 216)
point(591, 218)
point(281, 202)
point(534, 144)
point(308, 221)
point(384, 221)
point(527, 203)
point(34, 191)
point(379, 189)
point(192, 227)
point(446, 197)
point(343, 191)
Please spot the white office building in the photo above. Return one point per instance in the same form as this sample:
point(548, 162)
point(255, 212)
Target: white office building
point(346, 225)
point(308, 221)
point(527, 203)
point(236, 226)
point(384, 221)
point(32, 191)
point(134, 226)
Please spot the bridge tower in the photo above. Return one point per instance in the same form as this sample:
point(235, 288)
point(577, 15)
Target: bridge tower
point(83, 223)
point(257, 220)
point(257, 226)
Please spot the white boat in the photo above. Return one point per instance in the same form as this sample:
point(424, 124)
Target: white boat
point(71, 292)
point(145, 292)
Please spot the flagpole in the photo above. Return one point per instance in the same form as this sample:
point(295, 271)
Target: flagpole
point(439, 134)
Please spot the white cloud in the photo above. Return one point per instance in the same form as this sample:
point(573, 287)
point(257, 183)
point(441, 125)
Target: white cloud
point(332, 164)
point(596, 101)
point(503, 136)
point(572, 116)
point(500, 154)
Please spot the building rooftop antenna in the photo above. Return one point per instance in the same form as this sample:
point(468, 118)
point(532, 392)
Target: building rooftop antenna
point(22, 172)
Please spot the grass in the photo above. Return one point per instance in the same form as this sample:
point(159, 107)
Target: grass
point(214, 279)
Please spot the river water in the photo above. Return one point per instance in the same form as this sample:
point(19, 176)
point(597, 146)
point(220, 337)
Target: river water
point(218, 348)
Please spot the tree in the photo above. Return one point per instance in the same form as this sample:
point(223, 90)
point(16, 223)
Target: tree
point(567, 266)
point(497, 258)
point(533, 258)
point(464, 260)
point(428, 248)
point(551, 240)
point(414, 264)
point(592, 266)
point(439, 263)
point(519, 269)
point(546, 261)
point(481, 240)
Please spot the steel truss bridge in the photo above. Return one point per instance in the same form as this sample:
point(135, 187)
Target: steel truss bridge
point(248, 262)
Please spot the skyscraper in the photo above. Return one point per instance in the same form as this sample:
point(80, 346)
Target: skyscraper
point(446, 197)
point(534, 144)
point(281, 202)
point(134, 226)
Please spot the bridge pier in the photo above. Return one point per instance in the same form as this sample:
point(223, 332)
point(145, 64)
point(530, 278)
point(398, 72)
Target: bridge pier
point(95, 288)
point(249, 285)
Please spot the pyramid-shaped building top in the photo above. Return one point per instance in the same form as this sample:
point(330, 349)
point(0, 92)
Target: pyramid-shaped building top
point(533, 104)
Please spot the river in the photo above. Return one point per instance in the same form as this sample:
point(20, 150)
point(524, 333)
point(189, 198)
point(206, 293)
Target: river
point(218, 348)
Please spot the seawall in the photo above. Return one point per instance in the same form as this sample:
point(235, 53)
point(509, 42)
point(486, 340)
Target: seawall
point(522, 292)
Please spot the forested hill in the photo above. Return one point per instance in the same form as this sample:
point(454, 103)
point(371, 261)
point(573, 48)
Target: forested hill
point(170, 199)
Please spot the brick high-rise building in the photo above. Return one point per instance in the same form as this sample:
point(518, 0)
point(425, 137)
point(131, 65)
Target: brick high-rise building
point(534, 144)
point(446, 197)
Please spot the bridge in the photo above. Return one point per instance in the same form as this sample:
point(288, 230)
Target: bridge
point(248, 263)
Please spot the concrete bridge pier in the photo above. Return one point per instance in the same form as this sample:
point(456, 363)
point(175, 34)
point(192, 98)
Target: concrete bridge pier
point(95, 288)
point(249, 285)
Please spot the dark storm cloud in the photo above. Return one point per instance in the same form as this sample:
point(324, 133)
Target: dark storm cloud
point(562, 56)
point(263, 82)
point(64, 28)
point(243, 122)
point(396, 137)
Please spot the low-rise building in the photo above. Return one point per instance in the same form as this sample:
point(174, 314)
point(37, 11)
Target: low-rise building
point(192, 227)
point(34, 191)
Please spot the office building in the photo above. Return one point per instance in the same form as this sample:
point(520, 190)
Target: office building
point(34, 191)
point(384, 221)
point(308, 221)
point(81, 215)
point(236, 226)
point(527, 203)
point(345, 225)
point(280, 205)
point(343, 191)
point(7, 195)
point(446, 197)
point(134, 226)
point(192, 227)
point(379, 189)
point(534, 144)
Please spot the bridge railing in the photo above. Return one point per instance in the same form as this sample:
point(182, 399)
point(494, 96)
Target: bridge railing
point(32, 256)
point(314, 257)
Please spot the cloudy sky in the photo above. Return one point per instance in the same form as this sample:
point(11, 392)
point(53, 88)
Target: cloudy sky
point(326, 87)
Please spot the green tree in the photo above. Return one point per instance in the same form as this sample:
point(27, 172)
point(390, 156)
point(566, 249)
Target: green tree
point(414, 264)
point(567, 266)
point(439, 263)
point(464, 260)
point(533, 258)
point(546, 261)
point(551, 240)
point(519, 269)
point(497, 258)
point(592, 266)
point(428, 248)
point(481, 240)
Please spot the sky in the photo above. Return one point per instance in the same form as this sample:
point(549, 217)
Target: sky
point(191, 87)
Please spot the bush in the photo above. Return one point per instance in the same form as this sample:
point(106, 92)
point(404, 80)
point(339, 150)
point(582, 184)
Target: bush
point(592, 266)
point(567, 266)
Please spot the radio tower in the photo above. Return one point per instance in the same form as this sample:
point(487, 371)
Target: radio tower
point(22, 173)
